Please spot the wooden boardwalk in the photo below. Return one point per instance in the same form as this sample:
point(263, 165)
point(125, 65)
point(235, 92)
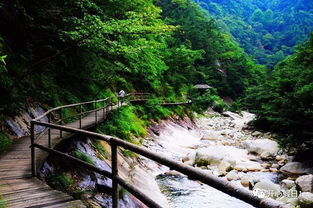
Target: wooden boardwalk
point(19, 189)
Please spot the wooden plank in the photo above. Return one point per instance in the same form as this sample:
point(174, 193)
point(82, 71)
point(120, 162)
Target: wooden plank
point(39, 203)
point(28, 197)
point(19, 189)
point(69, 204)
point(27, 189)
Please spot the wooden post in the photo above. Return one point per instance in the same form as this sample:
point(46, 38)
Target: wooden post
point(33, 153)
point(80, 116)
point(49, 131)
point(61, 122)
point(114, 175)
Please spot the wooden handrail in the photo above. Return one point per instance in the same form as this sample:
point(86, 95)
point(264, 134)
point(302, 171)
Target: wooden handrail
point(115, 142)
point(84, 103)
point(192, 172)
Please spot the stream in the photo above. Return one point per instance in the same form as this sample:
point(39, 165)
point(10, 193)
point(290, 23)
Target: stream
point(180, 140)
point(217, 143)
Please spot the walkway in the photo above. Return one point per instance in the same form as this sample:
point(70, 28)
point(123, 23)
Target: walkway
point(19, 189)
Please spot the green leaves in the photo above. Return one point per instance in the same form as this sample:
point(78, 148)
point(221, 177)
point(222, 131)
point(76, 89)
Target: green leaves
point(2, 59)
point(267, 30)
point(283, 102)
point(2, 64)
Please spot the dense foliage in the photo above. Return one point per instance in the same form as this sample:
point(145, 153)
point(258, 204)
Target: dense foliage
point(125, 124)
point(5, 142)
point(224, 65)
point(283, 103)
point(57, 52)
point(266, 29)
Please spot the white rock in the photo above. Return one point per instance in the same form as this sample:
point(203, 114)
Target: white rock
point(305, 183)
point(274, 170)
point(232, 175)
point(280, 157)
point(269, 188)
point(216, 153)
point(275, 165)
point(256, 133)
point(266, 155)
point(296, 168)
point(211, 135)
point(290, 202)
point(246, 180)
point(190, 159)
point(288, 184)
point(306, 200)
point(261, 145)
point(254, 167)
point(224, 167)
point(266, 165)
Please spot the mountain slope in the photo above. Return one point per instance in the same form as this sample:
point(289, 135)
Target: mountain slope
point(268, 30)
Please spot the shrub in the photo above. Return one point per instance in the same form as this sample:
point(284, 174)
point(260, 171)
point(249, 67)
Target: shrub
point(83, 157)
point(5, 143)
point(97, 144)
point(201, 102)
point(152, 110)
point(3, 203)
point(123, 123)
point(236, 107)
point(128, 153)
point(62, 181)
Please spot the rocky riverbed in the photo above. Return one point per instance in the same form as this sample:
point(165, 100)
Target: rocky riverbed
point(222, 145)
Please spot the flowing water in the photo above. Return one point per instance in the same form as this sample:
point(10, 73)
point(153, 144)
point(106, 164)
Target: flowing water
point(176, 142)
point(184, 193)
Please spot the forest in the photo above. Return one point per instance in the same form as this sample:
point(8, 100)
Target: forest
point(267, 30)
point(60, 52)
point(229, 98)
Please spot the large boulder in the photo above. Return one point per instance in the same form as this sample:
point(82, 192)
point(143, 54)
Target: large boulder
point(296, 168)
point(306, 200)
point(305, 183)
point(215, 154)
point(288, 184)
point(247, 165)
point(227, 157)
point(268, 188)
point(261, 145)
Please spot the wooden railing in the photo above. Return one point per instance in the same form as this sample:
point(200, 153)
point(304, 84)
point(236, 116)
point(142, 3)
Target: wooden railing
point(114, 142)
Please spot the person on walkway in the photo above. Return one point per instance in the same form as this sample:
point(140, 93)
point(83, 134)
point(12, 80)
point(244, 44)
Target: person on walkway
point(121, 95)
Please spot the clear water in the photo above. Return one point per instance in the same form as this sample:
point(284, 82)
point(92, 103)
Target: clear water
point(175, 142)
point(184, 193)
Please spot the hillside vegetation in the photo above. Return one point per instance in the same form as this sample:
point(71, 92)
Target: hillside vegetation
point(56, 52)
point(283, 102)
point(268, 30)
point(59, 52)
